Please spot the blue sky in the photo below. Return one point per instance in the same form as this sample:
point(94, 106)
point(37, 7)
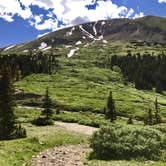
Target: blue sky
point(24, 20)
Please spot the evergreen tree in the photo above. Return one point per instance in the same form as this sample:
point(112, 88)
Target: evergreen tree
point(7, 103)
point(110, 112)
point(146, 70)
point(47, 112)
point(149, 118)
point(157, 116)
point(156, 104)
point(8, 129)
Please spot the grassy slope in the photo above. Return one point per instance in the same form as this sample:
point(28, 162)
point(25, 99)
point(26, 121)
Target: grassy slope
point(20, 151)
point(81, 85)
point(54, 137)
point(154, 21)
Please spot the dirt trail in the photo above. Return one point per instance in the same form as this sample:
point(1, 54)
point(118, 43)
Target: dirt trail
point(77, 128)
point(70, 155)
point(61, 156)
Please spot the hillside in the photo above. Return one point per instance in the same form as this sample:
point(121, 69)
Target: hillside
point(71, 73)
point(148, 29)
point(83, 81)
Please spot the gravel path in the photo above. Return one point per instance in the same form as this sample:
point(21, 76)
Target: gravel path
point(70, 155)
point(61, 156)
point(77, 128)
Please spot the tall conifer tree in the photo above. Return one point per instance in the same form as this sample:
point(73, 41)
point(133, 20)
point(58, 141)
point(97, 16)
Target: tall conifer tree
point(110, 112)
point(7, 103)
point(47, 112)
point(157, 116)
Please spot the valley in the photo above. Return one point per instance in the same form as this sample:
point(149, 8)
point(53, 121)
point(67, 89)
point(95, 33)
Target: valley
point(75, 65)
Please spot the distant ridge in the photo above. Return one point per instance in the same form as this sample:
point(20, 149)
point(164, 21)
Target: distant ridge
point(145, 29)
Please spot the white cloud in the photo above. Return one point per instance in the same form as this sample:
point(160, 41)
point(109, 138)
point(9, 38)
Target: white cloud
point(138, 15)
point(46, 4)
point(9, 9)
point(70, 12)
point(162, 1)
point(48, 24)
point(7, 18)
point(130, 13)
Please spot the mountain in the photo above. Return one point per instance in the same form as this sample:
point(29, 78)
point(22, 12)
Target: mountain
point(148, 29)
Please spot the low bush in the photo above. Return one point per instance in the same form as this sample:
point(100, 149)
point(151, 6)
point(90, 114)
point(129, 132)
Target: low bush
point(161, 127)
point(18, 132)
point(82, 119)
point(126, 142)
point(42, 121)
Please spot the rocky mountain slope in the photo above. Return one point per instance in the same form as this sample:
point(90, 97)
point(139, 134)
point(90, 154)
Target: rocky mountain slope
point(148, 29)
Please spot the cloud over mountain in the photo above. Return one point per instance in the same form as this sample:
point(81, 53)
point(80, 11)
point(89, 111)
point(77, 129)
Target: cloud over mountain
point(54, 14)
point(162, 1)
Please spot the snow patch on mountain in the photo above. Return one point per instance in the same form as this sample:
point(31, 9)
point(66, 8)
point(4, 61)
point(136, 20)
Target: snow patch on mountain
point(78, 42)
point(100, 37)
point(103, 23)
point(72, 52)
point(68, 46)
point(105, 41)
point(46, 48)
point(86, 33)
point(95, 36)
point(9, 47)
point(69, 33)
point(86, 45)
point(94, 28)
point(42, 46)
point(21, 45)
point(25, 51)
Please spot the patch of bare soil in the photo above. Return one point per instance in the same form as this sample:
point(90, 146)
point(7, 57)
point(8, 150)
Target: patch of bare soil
point(65, 155)
point(61, 156)
point(77, 128)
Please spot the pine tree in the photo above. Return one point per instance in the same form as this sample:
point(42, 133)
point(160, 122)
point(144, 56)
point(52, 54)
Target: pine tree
point(110, 112)
point(7, 104)
point(149, 118)
point(47, 112)
point(157, 116)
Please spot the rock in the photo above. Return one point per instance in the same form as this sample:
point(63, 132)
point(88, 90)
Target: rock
point(44, 156)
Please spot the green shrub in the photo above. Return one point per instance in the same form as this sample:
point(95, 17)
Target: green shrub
point(88, 122)
point(130, 121)
point(19, 132)
point(120, 142)
point(161, 127)
point(42, 121)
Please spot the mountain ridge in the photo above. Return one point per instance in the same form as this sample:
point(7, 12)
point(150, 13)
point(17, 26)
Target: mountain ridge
point(145, 29)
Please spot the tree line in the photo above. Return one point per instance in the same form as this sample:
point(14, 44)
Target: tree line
point(152, 116)
point(11, 68)
point(9, 129)
point(146, 71)
point(23, 65)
